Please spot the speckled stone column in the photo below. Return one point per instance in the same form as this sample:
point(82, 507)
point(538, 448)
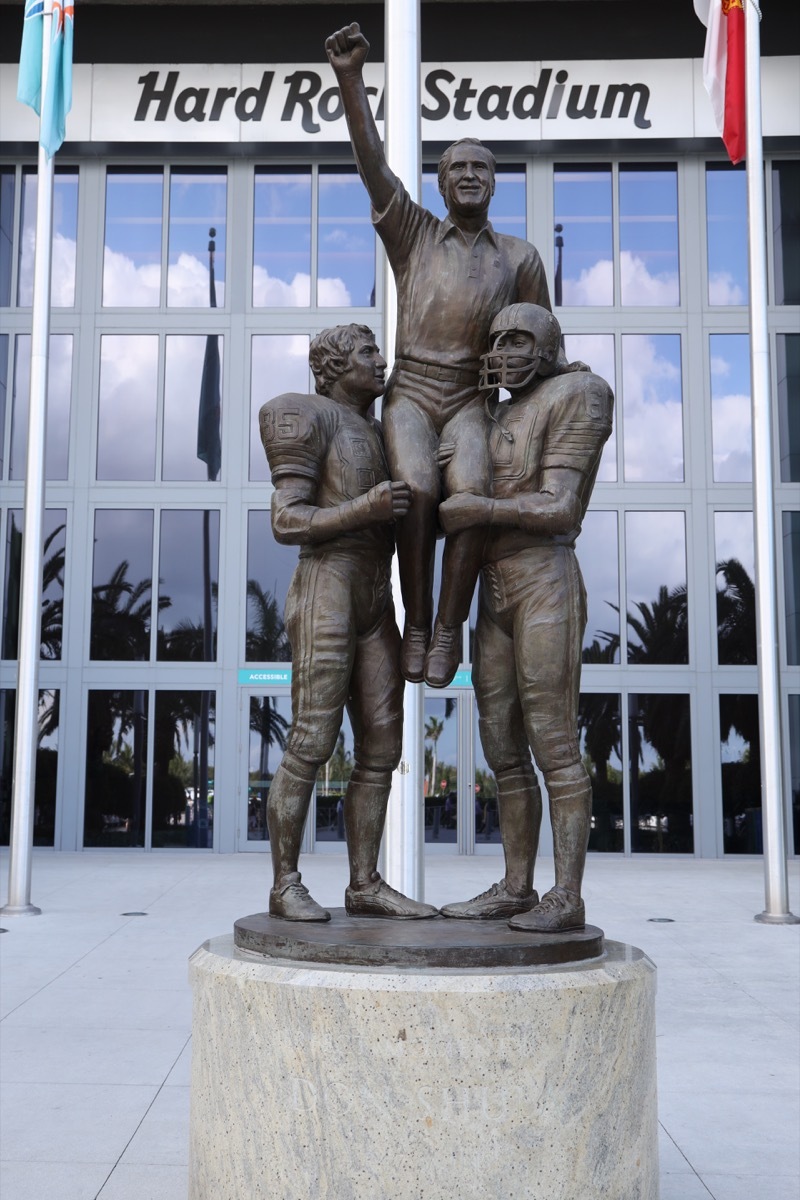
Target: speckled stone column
point(329, 1083)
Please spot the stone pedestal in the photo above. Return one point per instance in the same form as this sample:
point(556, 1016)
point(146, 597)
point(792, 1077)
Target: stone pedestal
point(315, 1082)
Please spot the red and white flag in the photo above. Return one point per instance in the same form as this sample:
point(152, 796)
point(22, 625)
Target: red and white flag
point(723, 69)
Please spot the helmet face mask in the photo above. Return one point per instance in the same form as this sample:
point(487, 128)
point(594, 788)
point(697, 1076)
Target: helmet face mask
point(516, 366)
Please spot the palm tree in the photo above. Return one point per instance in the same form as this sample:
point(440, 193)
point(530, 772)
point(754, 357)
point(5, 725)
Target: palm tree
point(271, 727)
point(736, 615)
point(121, 613)
point(266, 639)
point(433, 731)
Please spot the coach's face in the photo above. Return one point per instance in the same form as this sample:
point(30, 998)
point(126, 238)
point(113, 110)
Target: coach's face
point(469, 182)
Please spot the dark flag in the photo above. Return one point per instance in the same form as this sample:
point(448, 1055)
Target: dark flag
point(209, 444)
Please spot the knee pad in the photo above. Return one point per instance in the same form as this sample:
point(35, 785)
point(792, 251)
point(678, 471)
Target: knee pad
point(568, 783)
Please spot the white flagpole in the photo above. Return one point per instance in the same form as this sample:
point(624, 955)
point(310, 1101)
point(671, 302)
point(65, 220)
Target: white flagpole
point(773, 820)
point(30, 603)
point(404, 836)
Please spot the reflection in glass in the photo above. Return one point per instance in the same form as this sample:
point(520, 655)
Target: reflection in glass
point(346, 255)
point(269, 571)
point(116, 768)
point(791, 582)
point(59, 394)
point(740, 754)
point(652, 397)
point(270, 718)
point(794, 768)
point(7, 190)
point(731, 424)
point(441, 769)
point(122, 584)
point(657, 608)
point(282, 238)
point(600, 733)
point(279, 363)
point(660, 749)
point(582, 203)
point(132, 252)
point(332, 780)
point(648, 234)
point(598, 555)
point(487, 818)
point(736, 596)
point(183, 769)
point(188, 578)
point(126, 421)
point(786, 230)
point(44, 801)
point(597, 351)
point(508, 212)
point(788, 347)
point(65, 237)
point(197, 202)
point(183, 379)
point(3, 394)
point(726, 226)
point(54, 529)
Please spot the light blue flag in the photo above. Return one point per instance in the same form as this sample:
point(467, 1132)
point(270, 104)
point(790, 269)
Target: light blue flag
point(58, 96)
point(29, 82)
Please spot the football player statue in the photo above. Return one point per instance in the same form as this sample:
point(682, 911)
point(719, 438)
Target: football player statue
point(334, 499)
point(545, 443)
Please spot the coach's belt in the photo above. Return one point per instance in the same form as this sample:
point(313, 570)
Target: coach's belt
point(438, 372)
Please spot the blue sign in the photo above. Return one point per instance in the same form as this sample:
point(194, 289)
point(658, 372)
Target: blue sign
point(259, 676)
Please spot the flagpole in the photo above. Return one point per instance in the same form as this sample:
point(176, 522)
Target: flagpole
point(30, 604)
point(773, 820)
point(405, 820)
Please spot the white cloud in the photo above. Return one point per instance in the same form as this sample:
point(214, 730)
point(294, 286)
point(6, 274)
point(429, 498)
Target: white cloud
point(595, 285)
point(732, 435)
point(126, 285)
point(62, 285)
point(720, 366)
point(653, 412)
point(722, 289)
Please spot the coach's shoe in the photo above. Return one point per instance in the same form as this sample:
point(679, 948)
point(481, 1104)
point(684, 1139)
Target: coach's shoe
point(558, 911)
point(412, 653)
point(380, 900)
point(292, 900)
point(497, 904)
point(444, 655)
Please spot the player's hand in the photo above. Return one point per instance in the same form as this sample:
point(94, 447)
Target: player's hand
point(444, 454)
point(389, 500)
point(464, 511)
point(347, 50)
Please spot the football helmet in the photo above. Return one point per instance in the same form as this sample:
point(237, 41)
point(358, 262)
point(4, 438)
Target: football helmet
point(510, 368)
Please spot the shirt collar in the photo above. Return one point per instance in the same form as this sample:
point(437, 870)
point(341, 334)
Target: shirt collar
point(448, 226)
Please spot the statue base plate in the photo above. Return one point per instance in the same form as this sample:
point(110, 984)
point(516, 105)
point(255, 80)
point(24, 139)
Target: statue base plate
point(435, 942)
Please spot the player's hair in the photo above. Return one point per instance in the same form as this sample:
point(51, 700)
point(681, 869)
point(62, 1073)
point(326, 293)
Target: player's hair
point(451, 151)
point(330, 352)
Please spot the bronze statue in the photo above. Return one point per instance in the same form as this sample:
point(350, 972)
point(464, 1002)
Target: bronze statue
point(545, 446)
point(452, 277)
point(334, 499)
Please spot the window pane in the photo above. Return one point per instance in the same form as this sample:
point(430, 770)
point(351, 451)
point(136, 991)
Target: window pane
point(192, 409)
point(126, 421)
point(441, 770)
point(731, 425)
point(65, 237)
point(660, 747)
point(584, 255)
point(183, 769)
point(794, 768)
point(188, 577)
point(736, 597)
point(59, 394)
point(332, 780)
point(788, 345)
point(740, 753)
point(132, 253)
point(269, 571)
point(791, 577)
point(598, 555)
point(487, 820)
point(657, 608)
point(279, 363)
point(652, 395)
point(121, 584)
point(270, 718)
point(346, 258)
point(7, 189)
point(648, 232)
point(44, 807)
point(786, 230)
point(116, 769)
point(3, 394)
point(599, 729)
point(55, 525)
point(597, 350)
point(197, 204)
point(726, 226)
point(282, 238)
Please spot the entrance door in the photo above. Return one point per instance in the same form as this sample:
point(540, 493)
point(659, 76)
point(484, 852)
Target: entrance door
point(265, 718)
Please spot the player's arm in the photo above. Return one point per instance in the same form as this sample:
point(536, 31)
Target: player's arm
point(298, 521)
point(555, 509)
point(347, 51)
